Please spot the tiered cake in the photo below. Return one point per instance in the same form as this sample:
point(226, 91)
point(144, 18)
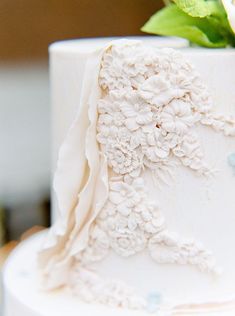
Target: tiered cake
point(144, 186)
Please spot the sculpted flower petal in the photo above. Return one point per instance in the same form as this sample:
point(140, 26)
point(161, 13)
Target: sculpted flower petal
point(135, 173)
point(153, 89)
point(105, 119)
point(121, 224)
point(144, 117)
point(128, 110)
point(97, 248)
point(146, 215)
point(136, 140)
point(123, 209)
point(121, 187)
point(155, 138)
point(102, 106)
point(201, 100)
point(148, 128)
point(161, 152)
point(151, 154)
point(132, 222)
point(133, 200)
point(116, 198)
point(131, 124)
point(122, 159)
point(138, 183)
point(159, 223)
point(177, 117)
point(151, 139)
point(128, 243)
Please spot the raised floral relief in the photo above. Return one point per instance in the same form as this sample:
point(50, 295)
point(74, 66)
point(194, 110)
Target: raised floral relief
point(152, 100)
point(92, 288)
point(150, 104)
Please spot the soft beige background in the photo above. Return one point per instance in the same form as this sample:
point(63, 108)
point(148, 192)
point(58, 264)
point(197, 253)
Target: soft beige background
point(28, 26)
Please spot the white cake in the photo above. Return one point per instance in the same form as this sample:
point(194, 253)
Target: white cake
point(144, 182)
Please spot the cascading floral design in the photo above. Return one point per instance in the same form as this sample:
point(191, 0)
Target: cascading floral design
point(152, 101)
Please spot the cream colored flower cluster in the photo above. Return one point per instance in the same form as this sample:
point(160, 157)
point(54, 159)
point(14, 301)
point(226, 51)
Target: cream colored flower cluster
point(126, 223)
point(129, 218)
point(130, 222)
point(151, 102)
point(152, 99)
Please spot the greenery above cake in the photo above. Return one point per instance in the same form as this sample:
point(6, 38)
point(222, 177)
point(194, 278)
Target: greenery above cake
point(206, 23)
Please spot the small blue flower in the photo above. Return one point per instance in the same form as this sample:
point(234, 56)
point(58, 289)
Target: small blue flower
point(231, 161)
point(154, 299)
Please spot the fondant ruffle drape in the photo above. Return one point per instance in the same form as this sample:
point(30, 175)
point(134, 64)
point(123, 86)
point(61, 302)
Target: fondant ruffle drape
point(80, 184)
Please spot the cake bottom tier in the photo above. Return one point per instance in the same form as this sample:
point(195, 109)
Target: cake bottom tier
point(24, 297)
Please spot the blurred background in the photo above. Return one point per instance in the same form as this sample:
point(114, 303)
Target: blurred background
point(27, 27)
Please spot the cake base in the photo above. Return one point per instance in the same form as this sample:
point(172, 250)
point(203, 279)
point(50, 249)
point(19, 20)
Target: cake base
point(23, 296)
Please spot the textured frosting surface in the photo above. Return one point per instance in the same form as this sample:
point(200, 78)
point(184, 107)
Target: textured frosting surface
point(28, 299)
point(143, 188)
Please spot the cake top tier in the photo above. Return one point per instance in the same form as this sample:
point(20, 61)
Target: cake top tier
point(87, 45)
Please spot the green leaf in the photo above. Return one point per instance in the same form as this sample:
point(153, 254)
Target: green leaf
point(196, 8)
point(219, 20)
point(172, 21)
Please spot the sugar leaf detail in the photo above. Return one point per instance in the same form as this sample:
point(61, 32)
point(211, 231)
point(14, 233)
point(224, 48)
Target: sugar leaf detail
point(196, 8)
point(172, 21)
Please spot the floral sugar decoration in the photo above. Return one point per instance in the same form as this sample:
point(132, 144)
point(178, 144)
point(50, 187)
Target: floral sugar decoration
point(151, 102)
